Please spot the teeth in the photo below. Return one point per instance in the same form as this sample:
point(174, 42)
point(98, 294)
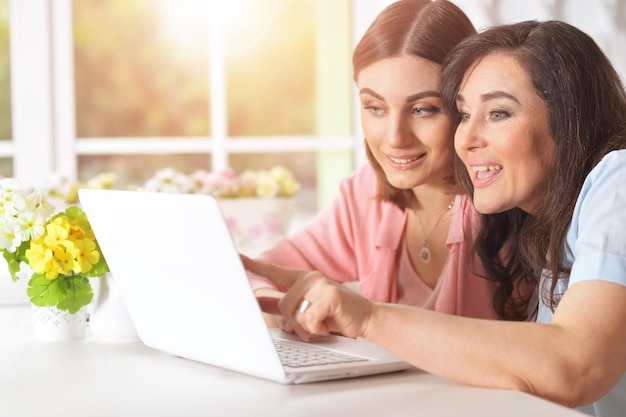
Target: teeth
point(485, 171)
point(402, 161)
point(487, 168)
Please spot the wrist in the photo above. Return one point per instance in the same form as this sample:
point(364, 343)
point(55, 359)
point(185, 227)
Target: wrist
point(372, 320)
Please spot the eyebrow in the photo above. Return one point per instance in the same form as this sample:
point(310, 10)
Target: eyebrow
point(409, 99)
point(490, 96)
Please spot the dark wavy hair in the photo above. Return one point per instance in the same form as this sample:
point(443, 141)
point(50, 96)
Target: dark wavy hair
point(424, 28)
point(586, 107)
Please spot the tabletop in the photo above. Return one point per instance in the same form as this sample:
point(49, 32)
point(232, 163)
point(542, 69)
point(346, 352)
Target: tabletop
point(97, 379)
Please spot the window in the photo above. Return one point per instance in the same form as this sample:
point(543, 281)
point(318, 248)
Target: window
point(139, 85)
point(6, 168)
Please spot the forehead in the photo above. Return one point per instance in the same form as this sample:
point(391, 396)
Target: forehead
point(407, 70)
point(496, 72)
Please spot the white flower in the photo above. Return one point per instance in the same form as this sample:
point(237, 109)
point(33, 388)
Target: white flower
point(11, 185)
point(25, 272)
point(13, 200)
point(169, 180)
point(10, 236)
point(104, 181)
point(276, 182)
point(32, 225)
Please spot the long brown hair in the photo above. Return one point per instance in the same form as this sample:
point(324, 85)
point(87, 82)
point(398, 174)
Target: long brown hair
point(424, 28)
point(586, 105)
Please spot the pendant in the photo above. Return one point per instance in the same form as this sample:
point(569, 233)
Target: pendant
point(425, 255)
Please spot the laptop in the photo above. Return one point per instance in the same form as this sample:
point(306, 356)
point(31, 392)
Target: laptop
point(187, 293)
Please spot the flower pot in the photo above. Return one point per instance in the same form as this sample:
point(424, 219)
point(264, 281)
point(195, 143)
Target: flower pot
point(52, 324)
point(256, 224)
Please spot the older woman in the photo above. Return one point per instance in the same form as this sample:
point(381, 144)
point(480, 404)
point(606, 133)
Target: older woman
point(542, 139)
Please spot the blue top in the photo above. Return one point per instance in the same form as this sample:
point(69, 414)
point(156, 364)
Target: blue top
point(596, 247)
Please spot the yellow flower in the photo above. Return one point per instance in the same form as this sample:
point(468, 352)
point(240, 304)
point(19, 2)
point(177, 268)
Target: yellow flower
point(65, 259)
point(87, 255)
point(41, 260)
point(267, 186)
point(287, 182)
point(57, 231)
point(63, 249)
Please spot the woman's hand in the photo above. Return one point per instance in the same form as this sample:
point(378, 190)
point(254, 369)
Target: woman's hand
point(314, 305)
point(268, 300)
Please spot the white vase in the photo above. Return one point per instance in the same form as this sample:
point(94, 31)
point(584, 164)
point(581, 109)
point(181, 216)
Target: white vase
point(52, 324)
point(109, 320)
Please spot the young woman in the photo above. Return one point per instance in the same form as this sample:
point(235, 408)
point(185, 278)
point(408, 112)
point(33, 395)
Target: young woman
point(542, 141)
point(401, 225)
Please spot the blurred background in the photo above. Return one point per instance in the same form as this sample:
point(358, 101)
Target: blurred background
point(134, 86)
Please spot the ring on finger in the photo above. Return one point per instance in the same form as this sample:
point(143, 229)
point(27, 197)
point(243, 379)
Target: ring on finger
point(304, 305)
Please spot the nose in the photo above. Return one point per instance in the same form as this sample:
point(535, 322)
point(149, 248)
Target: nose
point(400, 132)
point(468, 135)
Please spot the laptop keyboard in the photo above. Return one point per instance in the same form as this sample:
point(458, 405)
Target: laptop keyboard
point(297, 355)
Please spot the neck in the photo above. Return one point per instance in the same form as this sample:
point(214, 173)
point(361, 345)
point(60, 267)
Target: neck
point(431, 201)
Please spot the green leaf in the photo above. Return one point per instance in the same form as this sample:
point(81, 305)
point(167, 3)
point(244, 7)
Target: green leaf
point(44, 292)
point(79, 293)
point(13, 263)
point(68, 293)
point(77, 213)
point(15, 258)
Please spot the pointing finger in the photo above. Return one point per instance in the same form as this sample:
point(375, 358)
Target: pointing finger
point(280, 275)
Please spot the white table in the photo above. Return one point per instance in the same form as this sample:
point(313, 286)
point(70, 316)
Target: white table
point(90, 378)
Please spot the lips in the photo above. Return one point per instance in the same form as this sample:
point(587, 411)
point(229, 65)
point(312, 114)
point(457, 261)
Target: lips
point(406, 161)
point(485, 174)
point(486, 171)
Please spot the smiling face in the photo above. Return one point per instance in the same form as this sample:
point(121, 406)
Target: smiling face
point(403, 120)
point(503, 137)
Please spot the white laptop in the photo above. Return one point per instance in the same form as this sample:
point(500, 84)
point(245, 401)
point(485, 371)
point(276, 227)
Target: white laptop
point(186, 290)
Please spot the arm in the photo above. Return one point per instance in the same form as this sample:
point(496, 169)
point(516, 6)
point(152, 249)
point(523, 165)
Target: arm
point(574, 360)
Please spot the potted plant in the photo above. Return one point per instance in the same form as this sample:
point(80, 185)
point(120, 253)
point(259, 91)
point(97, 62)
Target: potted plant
point(56, 251)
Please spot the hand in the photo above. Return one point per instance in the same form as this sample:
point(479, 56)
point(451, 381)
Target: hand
point(332, 308)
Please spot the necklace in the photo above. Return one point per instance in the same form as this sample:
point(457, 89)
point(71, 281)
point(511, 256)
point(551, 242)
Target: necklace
point(425, 252)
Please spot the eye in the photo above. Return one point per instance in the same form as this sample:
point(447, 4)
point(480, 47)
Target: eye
point(497, 115)
point(425, 111)
point(463, 116)
point(375, 110)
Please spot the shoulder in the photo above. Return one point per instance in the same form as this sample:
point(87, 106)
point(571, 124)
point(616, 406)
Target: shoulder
point(613, 163)
point(363, 180)
point(358, 205)
point(358, 191)
point(596, 244)
point(606, 178)
point(465, 221)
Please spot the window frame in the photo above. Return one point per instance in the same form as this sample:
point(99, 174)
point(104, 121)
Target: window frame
point(43, 105)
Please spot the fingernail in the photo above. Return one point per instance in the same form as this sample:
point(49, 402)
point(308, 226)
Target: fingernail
point(288, 327)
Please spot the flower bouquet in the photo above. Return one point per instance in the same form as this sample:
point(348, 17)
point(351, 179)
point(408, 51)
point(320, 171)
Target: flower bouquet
point(57, 252)
point(64, 192)
point(277, 182)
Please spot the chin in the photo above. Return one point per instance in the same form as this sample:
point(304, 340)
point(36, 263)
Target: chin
point(403, 185)
point(484, 207)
